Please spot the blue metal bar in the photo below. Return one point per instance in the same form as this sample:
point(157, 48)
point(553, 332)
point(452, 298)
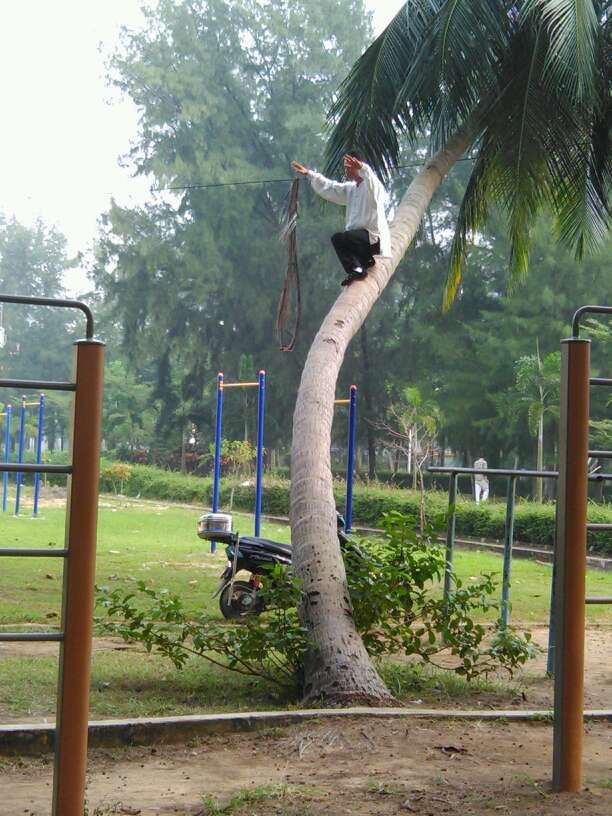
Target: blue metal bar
point(350, 462)
point(7, 455)
point(39, 438)
point(217, 467)
point(261, 410)
point(450, 533)
point(508, 539)
point(19, 475)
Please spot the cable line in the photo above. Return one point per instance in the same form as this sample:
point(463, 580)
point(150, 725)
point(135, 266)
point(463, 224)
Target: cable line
point(217, 185)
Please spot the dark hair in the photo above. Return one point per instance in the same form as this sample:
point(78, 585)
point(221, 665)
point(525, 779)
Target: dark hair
point(357, 154)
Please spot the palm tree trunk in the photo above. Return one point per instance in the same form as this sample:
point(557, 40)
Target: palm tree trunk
point(339, 667)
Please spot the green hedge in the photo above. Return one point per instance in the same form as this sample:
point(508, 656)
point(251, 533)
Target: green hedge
point(534, 523)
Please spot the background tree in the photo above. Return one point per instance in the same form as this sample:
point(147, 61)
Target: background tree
point(537, 384)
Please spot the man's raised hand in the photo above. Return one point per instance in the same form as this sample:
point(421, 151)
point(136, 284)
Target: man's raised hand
point(350, 162)
point(299, 168)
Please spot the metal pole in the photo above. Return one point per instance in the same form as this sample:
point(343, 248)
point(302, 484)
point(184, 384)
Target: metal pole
point(79, 573)
point(571, 566)
point(261, 412)
point(7, 455)
point(19, 476)
point(350, 463)
point(39, 438)
point(217, 466)
point(550, 657)
point(508, 539)
point(450, 533)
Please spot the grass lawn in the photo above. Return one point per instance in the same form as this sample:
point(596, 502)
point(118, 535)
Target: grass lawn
point(157, 543)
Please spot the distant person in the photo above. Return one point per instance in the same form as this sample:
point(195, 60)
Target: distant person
point(366, 232)
point(481, 483)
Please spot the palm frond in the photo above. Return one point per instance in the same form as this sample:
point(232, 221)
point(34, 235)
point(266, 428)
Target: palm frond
point(455, 69)
point(363, 116)
point(572, 28)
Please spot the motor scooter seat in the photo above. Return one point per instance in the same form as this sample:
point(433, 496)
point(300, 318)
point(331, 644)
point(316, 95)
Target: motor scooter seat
point(266, 545)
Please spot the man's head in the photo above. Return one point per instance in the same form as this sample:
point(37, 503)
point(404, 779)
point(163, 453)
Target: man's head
point(350, 170)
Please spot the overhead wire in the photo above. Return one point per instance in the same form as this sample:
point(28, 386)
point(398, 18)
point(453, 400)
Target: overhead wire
point(217, 185)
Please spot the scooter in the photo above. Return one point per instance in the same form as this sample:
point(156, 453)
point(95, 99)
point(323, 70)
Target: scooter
point(237, 599)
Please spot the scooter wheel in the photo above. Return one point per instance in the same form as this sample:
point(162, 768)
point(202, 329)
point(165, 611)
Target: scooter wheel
point(243, 601)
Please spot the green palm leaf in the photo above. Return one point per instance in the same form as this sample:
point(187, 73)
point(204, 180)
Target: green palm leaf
point(572, 28)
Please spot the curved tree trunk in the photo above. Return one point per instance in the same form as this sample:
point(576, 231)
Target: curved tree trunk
point(339, 668)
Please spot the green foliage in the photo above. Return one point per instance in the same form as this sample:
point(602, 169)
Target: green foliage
point(396, 604)
point(117, 473)
point(238, 454)
point(271, 647)
point(397, 612)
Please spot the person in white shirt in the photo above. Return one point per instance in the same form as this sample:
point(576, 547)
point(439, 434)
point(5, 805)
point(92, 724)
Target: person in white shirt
point(366, 230)
point(481, 483)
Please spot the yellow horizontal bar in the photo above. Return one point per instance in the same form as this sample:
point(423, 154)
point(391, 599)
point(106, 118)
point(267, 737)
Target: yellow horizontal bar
point(342, 402)
point(240, 385)
point(30, 403)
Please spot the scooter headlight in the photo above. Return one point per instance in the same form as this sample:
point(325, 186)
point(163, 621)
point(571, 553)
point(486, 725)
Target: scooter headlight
point(211, 523)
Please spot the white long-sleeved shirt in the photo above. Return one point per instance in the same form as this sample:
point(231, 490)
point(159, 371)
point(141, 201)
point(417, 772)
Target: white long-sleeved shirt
point(364, 202)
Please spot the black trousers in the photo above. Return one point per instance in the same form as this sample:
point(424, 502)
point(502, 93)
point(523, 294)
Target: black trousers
point(354, 249)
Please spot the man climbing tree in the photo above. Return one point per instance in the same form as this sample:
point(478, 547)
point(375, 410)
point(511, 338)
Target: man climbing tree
point(367, 231)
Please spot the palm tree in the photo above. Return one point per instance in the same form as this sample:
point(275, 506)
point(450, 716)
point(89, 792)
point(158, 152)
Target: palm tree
point(537, 383)
point(525, 87)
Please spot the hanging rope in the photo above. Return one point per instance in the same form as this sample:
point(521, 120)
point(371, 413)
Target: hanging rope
point(289, 304)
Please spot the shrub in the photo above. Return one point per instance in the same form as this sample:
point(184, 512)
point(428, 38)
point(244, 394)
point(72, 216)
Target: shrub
point(397, 608)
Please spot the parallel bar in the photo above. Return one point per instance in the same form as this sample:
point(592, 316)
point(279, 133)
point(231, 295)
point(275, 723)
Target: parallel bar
point(342, 402)
point(64, 304)
point(450, 534)
point(508, 540)
point(241, 385)
point(261, 413)
point(13, 467)
point(350, 460)
point(594, 527)
point(29, 637)
point(29, 552)
point(217, 464)
point(544, 474)
point(548, 474)
point(600, 454)
point(39, 385)
point(587, 310)
point(571, 562)
point(603, 599)
point(606, 381)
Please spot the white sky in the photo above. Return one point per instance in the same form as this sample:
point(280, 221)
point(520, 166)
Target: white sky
point(63, 129)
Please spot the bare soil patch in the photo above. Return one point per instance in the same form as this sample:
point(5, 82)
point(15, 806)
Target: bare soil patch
point(354, 767)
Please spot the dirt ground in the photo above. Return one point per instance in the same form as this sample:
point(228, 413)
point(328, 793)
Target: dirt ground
point(358, 767)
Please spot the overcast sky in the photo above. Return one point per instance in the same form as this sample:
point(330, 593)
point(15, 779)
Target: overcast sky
point(63, 129)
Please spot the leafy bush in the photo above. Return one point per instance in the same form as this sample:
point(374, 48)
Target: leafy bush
point(394, 589)
point(271, 647)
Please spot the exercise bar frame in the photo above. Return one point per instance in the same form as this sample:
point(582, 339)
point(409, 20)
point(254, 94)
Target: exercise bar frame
point(75, 635)
point(350, 459)
point(260, 384)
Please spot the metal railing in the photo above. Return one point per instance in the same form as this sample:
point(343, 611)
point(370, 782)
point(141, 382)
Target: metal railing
point(75, 632)
point(513, 474)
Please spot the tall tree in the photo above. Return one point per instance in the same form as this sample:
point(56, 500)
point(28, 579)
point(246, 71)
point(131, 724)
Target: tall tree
point(226, 92)
point(526, 85)
point(538, 383)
